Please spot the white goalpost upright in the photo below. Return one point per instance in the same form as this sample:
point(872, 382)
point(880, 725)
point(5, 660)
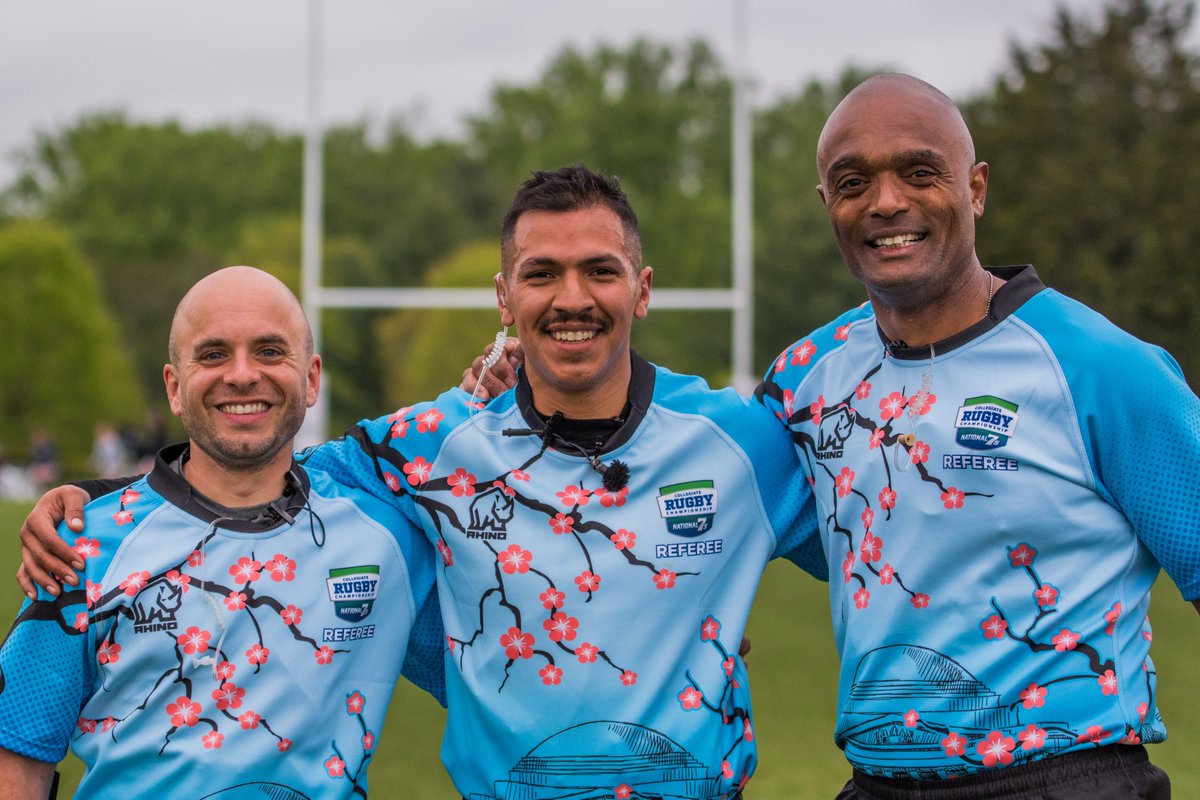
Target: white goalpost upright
point(314, 296)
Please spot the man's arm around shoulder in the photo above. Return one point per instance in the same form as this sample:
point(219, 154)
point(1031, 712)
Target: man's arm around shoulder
point(23, 778)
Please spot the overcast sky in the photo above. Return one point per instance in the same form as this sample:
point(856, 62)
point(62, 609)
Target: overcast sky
point(435, 60)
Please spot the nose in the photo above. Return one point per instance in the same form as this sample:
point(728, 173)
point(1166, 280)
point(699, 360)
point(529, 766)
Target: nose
point(573, 293)
point(890, 196)
point(243, 369)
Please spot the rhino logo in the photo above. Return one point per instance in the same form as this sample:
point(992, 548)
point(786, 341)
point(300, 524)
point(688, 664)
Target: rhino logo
point(155, 607)
point(835, 429)
point(491, 511)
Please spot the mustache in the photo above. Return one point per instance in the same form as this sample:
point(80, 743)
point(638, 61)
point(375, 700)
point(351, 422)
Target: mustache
point(580, 318)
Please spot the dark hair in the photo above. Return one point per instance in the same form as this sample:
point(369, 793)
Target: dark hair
point(570, 189)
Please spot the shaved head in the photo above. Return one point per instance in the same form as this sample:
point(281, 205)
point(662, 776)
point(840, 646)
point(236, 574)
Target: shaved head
point(234, 282)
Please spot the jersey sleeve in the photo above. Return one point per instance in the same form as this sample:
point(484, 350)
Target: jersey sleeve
point(47, 668)
point(425, 662)
point(1140, 426)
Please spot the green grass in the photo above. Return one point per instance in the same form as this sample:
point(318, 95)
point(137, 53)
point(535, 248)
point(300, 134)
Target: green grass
point(793, 668)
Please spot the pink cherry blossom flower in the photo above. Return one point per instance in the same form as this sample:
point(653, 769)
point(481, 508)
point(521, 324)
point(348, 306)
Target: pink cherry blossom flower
point(519, 475)
point(919, 454)
point(291, 615)
point(996, 749)
point(911, 718)
point(177, 578)
point(1065, 640)
point(517, 643)
point(183, 712)
point(611, 499)
point(225, 670)
point(848, 566)
point(135, 582)
point(586, 653)
point(123, 517)
point(862, 598)
point(427, 421)
point(355, 703)
point(842, 333)
point(94, 592)
point(815, 408)
point(562, 523)
point(573, 496)
point(417, 471)
point(281, 568)
point(335, 767)
point(876, 438)
point(789, 402)
point(212, 740)
point(1095, 734)
point(462, 483)
point(445, 552)
point(86, 725)
point(228, 696)
point(919, 600)
point(195, 558)
point(727, 666)
point(246, 570)
point(1046, 595)
point(868, 518)
point(1022, 555)
point(954, 745)
point(664, 579)
point(871, 548)
point(258, 654)
point(891, 406)
point(193, 640)
point(249, 720)
point(623, 791)
point(629, 677)
point(710, 629)
point(952, 498)
point(1131, 737)
point(1111, 616)
point(887, 498)
point(550, 675)
point(862, 391)
point(561, 627)
point(726, 769)
point(921, 403)
point(393, 482)
point(624, 540)
point(515, 559)
point(1032, 738)
point(552, 598)
point(130, 496)
point(108, 724)
point(284, 745)
point(587, 581)
point(994, 627)
point(81, 622)
point(235, 601)
point(368, 741)
point(691, 698)
point(803, 352)
point(86, 548)
point(886, 573)
point(1033, 696)
point(323, 655)
point(844, 482)
point(1108, 682)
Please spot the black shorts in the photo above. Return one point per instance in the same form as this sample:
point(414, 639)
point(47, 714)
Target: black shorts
point(1115, 772)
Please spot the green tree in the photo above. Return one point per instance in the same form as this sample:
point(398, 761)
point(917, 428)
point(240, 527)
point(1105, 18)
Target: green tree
point(1093, 139)
point(63, 368)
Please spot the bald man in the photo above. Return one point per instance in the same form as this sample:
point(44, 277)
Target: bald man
point(1000, 473)
point(230, 595)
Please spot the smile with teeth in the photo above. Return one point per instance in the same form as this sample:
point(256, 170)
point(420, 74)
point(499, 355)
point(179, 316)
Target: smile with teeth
point(243, 408)
point(897, 241)
point(572, 336)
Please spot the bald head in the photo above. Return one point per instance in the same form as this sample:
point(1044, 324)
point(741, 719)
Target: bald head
point(894, 102)
point(236, 285)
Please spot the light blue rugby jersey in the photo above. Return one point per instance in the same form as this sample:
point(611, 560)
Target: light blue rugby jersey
point(592, 635)
point(993, 538)
point(214, 658)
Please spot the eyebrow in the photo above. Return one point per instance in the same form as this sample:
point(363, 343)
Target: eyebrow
point(923, 155)
point(545, 261)
point(217, 342)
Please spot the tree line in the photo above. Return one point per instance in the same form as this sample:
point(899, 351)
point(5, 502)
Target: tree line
point(1093, 137)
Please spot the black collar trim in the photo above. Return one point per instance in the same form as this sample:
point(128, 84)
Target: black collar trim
point(172, 486)
point(641, 393)
point(1022, 283)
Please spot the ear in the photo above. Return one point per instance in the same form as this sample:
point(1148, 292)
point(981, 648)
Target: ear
point(313, 381)
point(171, 381)
point(506, 316)
point(645, 279)
point(978, 185)
point(821, 193)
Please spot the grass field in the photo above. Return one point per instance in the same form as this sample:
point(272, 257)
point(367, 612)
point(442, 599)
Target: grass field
point(794, 672)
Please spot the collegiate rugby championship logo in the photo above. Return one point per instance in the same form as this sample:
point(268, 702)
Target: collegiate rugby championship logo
point(688, 508)
point(985, 422)
point(353, 591)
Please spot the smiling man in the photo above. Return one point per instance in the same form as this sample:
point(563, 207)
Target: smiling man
point(1000, 473)
point(211, 633)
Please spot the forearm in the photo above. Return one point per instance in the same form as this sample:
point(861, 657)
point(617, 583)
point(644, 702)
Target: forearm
point(24, 778)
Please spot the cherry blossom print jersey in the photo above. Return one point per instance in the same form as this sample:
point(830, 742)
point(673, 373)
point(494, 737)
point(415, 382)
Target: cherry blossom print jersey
point(223, 657)
point(592, 631)
point(995, 509)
